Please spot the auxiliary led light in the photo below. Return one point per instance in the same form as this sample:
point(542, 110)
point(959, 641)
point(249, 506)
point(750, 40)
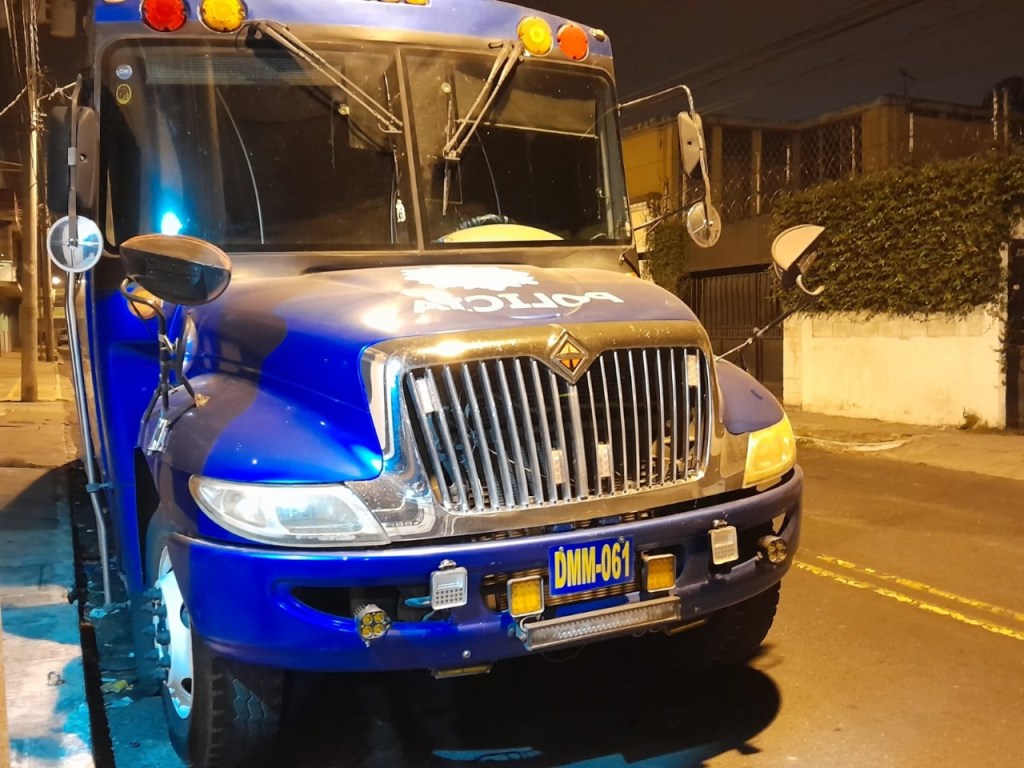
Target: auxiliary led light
point(222, 15)
point(449, 587)
point(773, 548)
point(525, 596)
point(573, 42)
point(373, 623)
point(536, 35)
point(659, 572)
point(164, 15)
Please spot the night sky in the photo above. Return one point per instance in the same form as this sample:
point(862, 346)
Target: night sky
point(794, 59)
point(772, 59)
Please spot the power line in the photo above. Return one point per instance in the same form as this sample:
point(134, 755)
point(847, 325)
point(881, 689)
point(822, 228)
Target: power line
point(714, 72)
point(942, 24)
point(12, 25)
point(13, 101)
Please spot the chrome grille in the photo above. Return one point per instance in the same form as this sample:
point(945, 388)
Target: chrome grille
point(510, 433)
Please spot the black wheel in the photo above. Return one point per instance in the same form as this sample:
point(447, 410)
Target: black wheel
point(235, 713)
point(221, 713)
point(732, 635)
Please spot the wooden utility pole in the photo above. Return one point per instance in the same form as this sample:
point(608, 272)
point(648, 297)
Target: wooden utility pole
point(29, 315)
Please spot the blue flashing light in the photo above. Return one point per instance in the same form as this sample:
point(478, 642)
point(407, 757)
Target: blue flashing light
point(170, 224)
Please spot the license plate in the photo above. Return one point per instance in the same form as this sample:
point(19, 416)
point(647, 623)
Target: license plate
point(593, 565)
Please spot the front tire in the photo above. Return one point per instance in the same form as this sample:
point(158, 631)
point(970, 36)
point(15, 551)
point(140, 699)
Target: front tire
point(732, 635)
point(221, 713)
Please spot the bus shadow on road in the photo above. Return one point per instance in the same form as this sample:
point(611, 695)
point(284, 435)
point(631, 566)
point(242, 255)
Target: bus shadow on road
point(625, 703)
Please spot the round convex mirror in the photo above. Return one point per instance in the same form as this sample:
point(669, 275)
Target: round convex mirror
point(79, 256)
point(704, 224)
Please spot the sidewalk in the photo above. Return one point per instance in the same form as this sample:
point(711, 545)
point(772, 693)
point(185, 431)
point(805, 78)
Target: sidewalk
point(47, 714)
point(997, 454)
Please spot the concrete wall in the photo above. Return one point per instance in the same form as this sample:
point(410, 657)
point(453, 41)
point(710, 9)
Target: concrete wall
point(896, 369)
point(651, 159)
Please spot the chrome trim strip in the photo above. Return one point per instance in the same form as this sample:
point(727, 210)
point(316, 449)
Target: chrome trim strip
point(608, 424)
point(675, 417)
point(508, 496)
point(435, 458)
point(536, 480)
point(513, 423)
point(545, 432)
point(578, 449)
point(474, 406)
point(562, 448)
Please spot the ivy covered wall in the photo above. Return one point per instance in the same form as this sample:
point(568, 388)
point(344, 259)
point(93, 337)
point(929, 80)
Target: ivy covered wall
point(912, 241)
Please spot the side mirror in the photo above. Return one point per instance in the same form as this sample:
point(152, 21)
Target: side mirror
point(703, 221)
point(704, 224)
point(793, 255)
point(77, 251)
point(58, 141)
point(691, 144)
point(58, 147)
point(177, 268)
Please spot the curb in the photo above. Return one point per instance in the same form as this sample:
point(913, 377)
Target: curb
point(847, 445)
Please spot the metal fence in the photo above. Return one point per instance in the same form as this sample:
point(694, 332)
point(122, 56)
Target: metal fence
point(753, 166)
point(731, 305)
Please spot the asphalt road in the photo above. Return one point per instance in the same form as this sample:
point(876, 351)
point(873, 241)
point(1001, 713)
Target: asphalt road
point(899, 642)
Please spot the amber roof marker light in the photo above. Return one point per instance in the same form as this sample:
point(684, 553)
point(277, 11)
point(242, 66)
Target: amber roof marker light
point(223, 15)
point(536, 35)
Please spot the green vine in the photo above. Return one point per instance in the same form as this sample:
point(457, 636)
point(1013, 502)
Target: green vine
point(911, 241)
point(667, 255)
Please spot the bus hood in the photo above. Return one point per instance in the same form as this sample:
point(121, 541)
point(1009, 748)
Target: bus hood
point(311, 329)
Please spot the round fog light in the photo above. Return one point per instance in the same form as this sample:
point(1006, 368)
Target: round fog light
point(773, 548)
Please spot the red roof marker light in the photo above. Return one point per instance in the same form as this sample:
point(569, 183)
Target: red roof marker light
point(573, 42)
point(164, 15)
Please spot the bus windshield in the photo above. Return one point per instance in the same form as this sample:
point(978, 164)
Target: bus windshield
point(249, 149)
point(543, 162)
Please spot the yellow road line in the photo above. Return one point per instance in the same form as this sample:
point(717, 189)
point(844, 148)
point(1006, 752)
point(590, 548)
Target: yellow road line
point(14, 388)
point(919, 586)
point(911, 601)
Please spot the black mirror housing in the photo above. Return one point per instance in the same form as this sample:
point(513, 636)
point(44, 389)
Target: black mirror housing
point(88, 165)
point(58, 141)
point(58, 146)
point(177, 268)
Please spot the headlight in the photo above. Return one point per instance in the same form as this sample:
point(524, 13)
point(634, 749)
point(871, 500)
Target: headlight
point(771, 453)
point(306, 515)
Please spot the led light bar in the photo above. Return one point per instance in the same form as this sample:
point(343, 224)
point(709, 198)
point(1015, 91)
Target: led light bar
point(621, 620)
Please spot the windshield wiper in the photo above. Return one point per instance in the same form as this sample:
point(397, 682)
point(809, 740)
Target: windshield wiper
point(505, 62)
point(285, 38)
point(511, 53)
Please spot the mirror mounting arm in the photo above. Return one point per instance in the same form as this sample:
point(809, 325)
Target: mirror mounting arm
point(73, 166)
point(171, 361)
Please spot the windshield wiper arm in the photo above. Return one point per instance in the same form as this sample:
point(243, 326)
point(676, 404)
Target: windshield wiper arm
point(285, 38)
point(510, 54)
